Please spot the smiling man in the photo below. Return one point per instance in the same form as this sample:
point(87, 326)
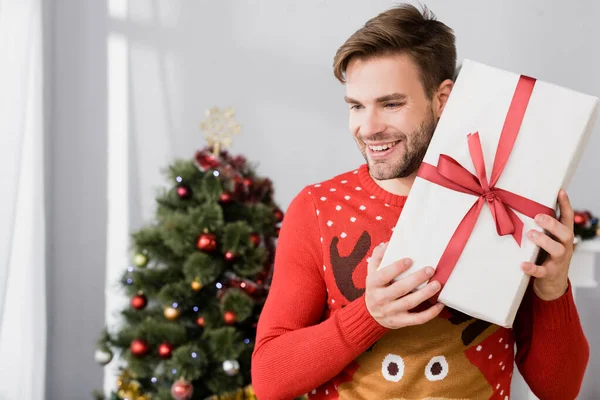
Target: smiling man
point(333, 325)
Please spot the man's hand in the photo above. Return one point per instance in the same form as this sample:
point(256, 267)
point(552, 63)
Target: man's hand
point(389, 302)
point(551, 278)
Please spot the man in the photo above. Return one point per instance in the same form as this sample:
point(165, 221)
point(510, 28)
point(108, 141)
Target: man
point(334, 326)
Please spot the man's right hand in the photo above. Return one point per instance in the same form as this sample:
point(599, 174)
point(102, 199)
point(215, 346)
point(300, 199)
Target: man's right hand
point(389, 302)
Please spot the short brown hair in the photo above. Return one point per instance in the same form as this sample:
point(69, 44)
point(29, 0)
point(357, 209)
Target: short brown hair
point(404, 30)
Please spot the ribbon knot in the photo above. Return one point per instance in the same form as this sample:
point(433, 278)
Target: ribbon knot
point(502, 203)
point(489, 196)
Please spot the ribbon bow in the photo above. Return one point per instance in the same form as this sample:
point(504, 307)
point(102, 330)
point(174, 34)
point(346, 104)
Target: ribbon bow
point(502, 203)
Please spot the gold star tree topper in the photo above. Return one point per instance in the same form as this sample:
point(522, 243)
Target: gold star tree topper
point(219, 127)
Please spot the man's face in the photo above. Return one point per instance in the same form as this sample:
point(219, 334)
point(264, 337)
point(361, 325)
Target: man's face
point(391, 118)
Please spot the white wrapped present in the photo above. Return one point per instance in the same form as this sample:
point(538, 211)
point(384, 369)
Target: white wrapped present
point(548, 127)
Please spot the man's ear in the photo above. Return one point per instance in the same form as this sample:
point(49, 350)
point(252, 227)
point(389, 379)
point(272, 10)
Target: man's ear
point(440, 98)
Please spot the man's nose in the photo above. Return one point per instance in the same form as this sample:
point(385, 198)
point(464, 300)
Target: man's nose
point(371, 124)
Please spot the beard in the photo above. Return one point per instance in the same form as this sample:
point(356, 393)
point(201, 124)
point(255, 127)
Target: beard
point(412, 156)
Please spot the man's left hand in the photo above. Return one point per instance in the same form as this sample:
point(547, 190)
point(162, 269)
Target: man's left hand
point(551, 278)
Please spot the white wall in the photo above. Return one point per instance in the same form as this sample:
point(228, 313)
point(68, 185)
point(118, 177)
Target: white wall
point(271, 61)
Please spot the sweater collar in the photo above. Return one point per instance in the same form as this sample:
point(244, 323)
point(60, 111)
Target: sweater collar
point(367, 181)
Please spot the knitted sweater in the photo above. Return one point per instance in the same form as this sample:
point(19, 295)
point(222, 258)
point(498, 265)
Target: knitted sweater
point(316, 336)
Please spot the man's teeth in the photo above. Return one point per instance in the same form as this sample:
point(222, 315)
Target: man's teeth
point(383, 146)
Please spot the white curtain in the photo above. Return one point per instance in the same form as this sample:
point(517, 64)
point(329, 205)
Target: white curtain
point(22, 219)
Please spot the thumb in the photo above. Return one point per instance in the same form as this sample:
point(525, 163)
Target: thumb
point(376, 257)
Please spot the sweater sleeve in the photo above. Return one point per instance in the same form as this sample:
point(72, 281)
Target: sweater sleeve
point(552, 351)
point(296, 351)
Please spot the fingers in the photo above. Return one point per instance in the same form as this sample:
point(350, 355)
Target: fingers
point(566, 211)
point(554, 248)
point(562, 232)
point(384, 276)
point(422, 317)
point(412, 300)
point(376, 258)
point(408, 283)
point(536, 271)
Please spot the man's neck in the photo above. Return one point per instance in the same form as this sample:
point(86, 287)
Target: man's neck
point(397, 186)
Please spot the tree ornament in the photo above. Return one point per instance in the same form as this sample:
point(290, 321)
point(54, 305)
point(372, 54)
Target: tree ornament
point(206, 160)
point(225, 198)
point(248, 183)
point(165, 350)
point(103, 356)
point(139, 301)
point(172, 313)
point(239, 190)
point(229, 317)
point(123, 379)
point(129, 388)
point(201, 322)
point(580, 218)
point(140, 260)
point(239, 162)
point(255, 239)
point(196, 285)
point(182, 390)
point(231, 256)
point(139, 348)
point(278, 215)
point(231, 367)
point(207, 242)
point(183, 191)
point(219, 128)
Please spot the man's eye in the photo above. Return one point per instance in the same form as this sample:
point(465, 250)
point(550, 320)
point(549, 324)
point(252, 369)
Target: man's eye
point(355, 107)
point(393, 105)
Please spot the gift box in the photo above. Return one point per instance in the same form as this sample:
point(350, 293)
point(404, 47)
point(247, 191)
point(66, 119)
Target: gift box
point(503, 148)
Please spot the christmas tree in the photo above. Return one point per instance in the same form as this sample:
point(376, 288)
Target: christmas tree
point(198, 279)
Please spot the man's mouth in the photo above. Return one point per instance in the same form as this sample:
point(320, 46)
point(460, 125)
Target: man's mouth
point(383, 147)
point(381, 150)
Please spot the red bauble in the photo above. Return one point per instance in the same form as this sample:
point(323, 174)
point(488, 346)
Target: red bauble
point(183, 191)
point(278, 215)
point(239, 188)
point(229, 317)
point(239, 162)
point(165, 350)
point(206, 161)
point(248, 183)
point(182, 390)
point(225, 198)
point(139, 348)
point(580, 218)
point(207, 242)
point(139, 301)
point(200, 322)
point(255, 239)
point(230, 256)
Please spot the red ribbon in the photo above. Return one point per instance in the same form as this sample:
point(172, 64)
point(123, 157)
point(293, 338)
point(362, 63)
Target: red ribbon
point(450, 174)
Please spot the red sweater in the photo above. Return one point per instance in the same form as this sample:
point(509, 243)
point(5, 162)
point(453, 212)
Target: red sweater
point(316, 336)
